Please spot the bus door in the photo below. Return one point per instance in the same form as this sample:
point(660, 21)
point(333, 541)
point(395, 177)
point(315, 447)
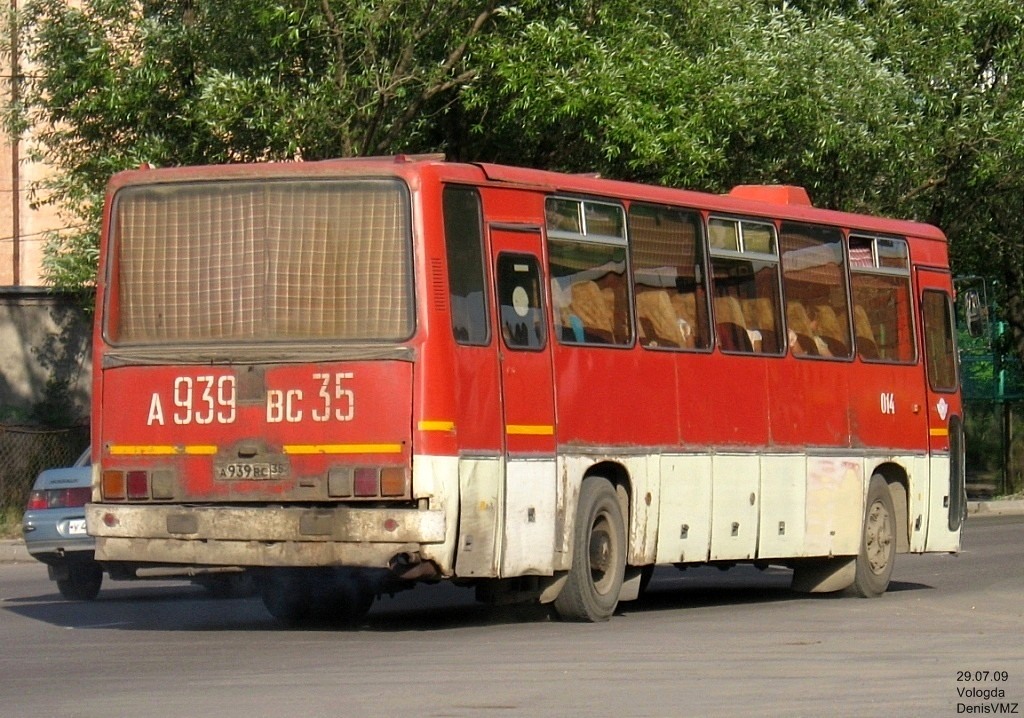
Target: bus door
point(527, 400)
point(946, 495)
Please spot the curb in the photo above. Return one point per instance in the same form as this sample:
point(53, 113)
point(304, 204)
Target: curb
point(14, 551)
point(1011, 507)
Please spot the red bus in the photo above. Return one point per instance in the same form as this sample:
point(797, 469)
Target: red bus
point(355, 374)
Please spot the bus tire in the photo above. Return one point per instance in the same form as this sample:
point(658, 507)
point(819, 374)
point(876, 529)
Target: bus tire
point(878, 542)
point(340, 596)
point(286, 595)
point(591, 592)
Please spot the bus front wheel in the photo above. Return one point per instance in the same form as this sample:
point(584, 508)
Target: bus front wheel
point(591, 591)
point(878, 542)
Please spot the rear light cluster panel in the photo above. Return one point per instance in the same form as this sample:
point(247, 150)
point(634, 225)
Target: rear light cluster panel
point(343, 483)
point(137, 485)
point(368, 482)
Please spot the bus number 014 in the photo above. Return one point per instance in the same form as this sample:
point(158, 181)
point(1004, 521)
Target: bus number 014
point(887, 402)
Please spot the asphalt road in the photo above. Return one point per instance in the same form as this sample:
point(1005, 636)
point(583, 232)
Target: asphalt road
point(944, 641)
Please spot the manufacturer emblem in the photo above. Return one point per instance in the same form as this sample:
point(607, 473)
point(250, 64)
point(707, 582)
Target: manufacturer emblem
point(943, 408)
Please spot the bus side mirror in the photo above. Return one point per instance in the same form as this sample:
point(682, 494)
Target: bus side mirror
point(974, 313)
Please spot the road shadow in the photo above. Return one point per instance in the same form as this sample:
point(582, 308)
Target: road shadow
point(144, 606)
point(900, 586)
point(426, 608)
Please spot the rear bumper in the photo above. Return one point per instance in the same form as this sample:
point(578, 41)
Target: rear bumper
point(59, 555)
point(261, 536)
point(47, 533)
point(48, 546)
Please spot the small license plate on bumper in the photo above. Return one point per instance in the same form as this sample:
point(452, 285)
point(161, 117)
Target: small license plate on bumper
point(76, 527)
point(251, 471)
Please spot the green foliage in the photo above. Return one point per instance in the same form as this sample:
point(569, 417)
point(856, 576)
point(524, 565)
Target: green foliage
point(10, 522)
point(913, 108)
point(704, 95)
point(119, 83)
point(965, 63)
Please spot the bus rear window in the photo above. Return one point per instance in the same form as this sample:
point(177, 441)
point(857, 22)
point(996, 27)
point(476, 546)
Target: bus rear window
point(261, 261)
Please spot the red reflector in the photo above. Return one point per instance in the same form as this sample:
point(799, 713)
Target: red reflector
point(366, 482)
point(37, 500)
point(138, 485)
point(110, 520)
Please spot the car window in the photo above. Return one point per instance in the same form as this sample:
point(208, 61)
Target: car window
point(85, 459)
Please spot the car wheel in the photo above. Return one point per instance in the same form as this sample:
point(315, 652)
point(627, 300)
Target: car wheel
point(83, 581)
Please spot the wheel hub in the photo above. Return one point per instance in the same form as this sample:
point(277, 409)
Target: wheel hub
point(878, 537)
point(600, 551)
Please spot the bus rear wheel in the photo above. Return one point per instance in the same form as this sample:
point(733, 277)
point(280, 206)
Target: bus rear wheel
point(591, 592)
point(878, 542)
point(299, 596)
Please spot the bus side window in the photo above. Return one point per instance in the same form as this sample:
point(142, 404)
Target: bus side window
point(880, 283)
point(667, 253)
point(867, 347)
point(519, 298)
point(939, 348)
point(587, 262)
point(731, 327)
point(814, 279)
point(745, 277)
point(801, 334)
point(759, 315)
point(463, 236)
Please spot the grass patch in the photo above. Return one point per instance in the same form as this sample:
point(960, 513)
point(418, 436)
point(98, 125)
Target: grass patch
point(10, 522)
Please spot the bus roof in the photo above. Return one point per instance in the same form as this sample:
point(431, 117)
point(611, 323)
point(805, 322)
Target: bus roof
point(780, 201)
point(783, 202)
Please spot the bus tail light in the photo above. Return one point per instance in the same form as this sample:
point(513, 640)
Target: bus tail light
point(339, 483)
point(113, 485)
point(367, 482)
point(392, 481)
point(163, 485)
point(138, 485)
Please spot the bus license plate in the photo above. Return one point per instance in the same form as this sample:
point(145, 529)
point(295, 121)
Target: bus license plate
point(251, 471)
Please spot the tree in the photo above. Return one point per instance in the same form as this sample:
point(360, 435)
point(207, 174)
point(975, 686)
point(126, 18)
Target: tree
point(964, 63)
point(704, 95)
point(117, 83)
point(912, 108)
